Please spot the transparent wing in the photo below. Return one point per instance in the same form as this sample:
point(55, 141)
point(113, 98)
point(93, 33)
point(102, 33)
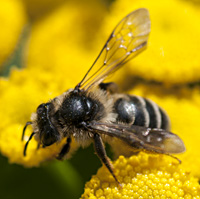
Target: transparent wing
point(157, 140)
point(127, 40)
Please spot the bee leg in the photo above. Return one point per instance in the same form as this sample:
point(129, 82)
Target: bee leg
point(101, 153)
point(64, 150)
point(179, 161)
point(109, 87)
point(38, 146)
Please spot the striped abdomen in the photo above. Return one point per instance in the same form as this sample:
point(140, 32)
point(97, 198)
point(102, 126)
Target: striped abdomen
point(135, 110)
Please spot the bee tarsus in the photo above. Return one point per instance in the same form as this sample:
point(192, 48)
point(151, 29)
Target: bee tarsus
point(101, 153)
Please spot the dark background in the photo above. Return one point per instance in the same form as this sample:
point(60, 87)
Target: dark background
point(55, 179)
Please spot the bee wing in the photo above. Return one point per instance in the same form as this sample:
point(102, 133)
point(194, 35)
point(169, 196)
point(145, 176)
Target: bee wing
point(127, 40)
point(150, 139)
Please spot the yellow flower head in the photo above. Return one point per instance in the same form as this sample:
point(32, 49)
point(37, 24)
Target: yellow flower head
point(173, 46)
point(143, 176)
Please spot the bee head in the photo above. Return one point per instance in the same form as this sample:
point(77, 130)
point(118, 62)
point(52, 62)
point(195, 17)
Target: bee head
point(47, 132)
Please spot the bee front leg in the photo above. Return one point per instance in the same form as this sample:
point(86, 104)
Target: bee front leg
point(109, 87)
point(101, 153)
point(64, 150)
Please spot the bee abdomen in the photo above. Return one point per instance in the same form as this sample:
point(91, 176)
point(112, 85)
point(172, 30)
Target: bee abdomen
point(139, 111)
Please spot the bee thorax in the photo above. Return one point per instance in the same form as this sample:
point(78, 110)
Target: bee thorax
point(77, 108)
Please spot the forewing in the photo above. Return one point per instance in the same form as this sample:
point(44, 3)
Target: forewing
point(127, 40)
point(150, 139)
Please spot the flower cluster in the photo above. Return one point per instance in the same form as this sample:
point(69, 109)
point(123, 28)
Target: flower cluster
point(143, 176)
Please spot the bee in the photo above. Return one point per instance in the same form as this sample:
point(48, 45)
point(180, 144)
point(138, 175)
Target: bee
point(95, 112)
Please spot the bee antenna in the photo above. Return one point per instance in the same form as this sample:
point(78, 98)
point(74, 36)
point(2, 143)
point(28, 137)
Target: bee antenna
point(27, 123)
point(31, 136)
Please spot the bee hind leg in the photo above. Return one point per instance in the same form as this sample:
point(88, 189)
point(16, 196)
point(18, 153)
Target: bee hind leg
point(101, 153)
point(65, 149)
point(179, 161)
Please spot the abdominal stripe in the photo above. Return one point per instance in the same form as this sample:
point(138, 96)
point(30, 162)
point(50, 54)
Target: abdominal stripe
point(139, 111)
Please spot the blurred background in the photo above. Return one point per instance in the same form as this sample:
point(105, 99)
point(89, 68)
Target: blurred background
point(54, 179)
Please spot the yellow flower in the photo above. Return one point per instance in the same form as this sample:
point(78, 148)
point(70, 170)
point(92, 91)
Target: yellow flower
point(71, 29)
point(12, 20)
point(43, 78)
point(37, 9)
point(143, 176)
point(172, 55)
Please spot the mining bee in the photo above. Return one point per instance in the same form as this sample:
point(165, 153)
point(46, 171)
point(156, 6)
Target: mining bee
point(95, 112)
